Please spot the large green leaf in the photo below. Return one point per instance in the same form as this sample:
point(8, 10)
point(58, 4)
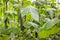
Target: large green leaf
point(33, 11)
point(50, 23)
point(48, 28)
point(25, 10)
point(30, 24)
point(33, 24)
point(45, 33)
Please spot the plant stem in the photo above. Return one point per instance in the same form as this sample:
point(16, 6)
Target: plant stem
point(6, 20)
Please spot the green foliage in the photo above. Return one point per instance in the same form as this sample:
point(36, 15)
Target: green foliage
point(45, 33)
point(50, 23)
point(48, 28)
point(33, 11)
point(38, 17)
